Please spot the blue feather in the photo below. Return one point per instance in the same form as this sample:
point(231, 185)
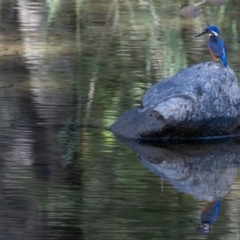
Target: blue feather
point(224, 52)
point(218, 48)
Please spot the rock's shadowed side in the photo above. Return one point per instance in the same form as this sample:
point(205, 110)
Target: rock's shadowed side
point(200, 101)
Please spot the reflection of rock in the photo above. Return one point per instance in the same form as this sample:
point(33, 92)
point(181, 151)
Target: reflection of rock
point(191, 11)
point(199, 101)
point(206, 171)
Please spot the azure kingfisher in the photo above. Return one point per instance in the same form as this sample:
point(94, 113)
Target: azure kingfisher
point(216, 45)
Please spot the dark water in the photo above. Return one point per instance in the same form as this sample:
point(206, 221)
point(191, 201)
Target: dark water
point(68, 69)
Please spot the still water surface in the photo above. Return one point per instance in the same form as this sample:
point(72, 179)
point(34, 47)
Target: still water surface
point(68, 70)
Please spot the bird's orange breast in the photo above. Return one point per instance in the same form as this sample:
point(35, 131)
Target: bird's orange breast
point(215, 58)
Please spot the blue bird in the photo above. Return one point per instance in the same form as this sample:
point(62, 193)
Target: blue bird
point(216, 45)
point(209, 216)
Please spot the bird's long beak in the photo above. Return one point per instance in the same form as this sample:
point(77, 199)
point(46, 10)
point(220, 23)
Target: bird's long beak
point(200, 34)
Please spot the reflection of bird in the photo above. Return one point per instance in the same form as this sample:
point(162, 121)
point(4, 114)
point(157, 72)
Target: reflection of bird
point(209, 216)
point(216, 45)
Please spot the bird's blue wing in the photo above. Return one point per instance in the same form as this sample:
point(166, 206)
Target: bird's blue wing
point(216, 49)
point(224, 55)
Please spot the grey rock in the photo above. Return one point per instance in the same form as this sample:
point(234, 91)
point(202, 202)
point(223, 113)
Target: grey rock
point(201, 101)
